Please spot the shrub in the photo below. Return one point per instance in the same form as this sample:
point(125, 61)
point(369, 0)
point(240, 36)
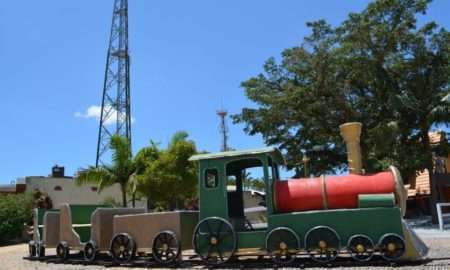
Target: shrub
point(15, 211)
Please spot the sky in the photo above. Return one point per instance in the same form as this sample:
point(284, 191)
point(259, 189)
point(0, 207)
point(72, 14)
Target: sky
point(188, 59)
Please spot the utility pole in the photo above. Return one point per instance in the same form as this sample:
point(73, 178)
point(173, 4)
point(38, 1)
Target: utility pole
point(223, 129)
point(115, 118)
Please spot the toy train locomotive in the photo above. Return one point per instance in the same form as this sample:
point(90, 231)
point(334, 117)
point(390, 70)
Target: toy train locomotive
point(323, 217)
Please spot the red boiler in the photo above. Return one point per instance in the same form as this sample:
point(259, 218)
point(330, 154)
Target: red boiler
point(330, 192)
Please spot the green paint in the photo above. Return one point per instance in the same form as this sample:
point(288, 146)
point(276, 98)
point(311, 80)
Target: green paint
point(251, 239)
point(373, 222)
point(376, 200)
point(188, 221)
point(84, 233)
point(213, 201)
point(81, 215)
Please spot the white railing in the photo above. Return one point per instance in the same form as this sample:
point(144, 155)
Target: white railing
point(441, 216)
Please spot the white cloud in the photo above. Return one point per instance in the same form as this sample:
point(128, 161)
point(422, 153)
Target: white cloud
point(94, 112)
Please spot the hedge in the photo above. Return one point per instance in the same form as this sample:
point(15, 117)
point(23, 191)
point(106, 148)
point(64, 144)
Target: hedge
point(15, 211)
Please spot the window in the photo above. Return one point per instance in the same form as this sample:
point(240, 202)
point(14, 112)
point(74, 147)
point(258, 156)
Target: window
point(231, 183)
point(246, 193)
point(57, 188)
point(211, 180)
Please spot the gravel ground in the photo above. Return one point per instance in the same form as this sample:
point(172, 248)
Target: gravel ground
point(11, 257)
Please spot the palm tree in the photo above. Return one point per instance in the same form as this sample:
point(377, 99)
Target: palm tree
point(119, 171)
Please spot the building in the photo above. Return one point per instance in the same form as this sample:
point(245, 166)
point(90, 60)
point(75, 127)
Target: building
point(420, 184)
point(13, 188)
point(419, 188)
point(62, 189)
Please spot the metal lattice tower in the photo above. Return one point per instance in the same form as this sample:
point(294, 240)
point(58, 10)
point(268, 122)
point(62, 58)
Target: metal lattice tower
point(115, 115)
point(223, 129)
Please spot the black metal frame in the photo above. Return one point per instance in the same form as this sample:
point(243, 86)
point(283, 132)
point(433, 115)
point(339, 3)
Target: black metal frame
point(116, 85)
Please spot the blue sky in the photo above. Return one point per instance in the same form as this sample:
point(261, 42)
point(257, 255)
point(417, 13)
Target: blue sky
point(188, 57)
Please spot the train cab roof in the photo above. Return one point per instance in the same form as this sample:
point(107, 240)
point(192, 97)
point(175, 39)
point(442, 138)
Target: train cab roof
point(272, 151)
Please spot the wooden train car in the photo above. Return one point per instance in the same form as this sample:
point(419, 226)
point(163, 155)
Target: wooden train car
point(74, 228)
point(163, 235)
point(87, 228)
point(45, 224)
point(102, 230)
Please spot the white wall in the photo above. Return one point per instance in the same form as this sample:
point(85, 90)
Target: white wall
point(73, 194)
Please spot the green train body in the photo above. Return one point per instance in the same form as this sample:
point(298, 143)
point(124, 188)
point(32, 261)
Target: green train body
point(377, 216)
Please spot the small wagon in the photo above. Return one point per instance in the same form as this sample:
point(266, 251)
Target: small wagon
point(75, 228)
point(165, 235)
point(102, 229)
point(45, 224)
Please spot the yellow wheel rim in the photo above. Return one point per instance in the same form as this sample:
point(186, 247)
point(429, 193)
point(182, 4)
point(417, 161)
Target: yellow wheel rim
point(391, 247)
point(214, 241)
point(360, 248)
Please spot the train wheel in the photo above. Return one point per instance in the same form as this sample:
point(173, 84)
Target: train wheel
point(123, 248)
point(214, 240)
point(322, 244)
point(392, 246)
point(282, 244)
point(31, 249)
point(40, 250)
point(90, 251)
point(361, 247)
point(62, 250)
point(166, 247)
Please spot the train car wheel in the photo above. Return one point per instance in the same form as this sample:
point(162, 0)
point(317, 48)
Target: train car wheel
point(31, 249)
point(322, 244)
point(214, 240)
point(62, 251)
point(361, 247)
point(392, 246)
point(166, 248)
point(40, 250)
point(123, 248)
point(282, 244)
point(90, 251)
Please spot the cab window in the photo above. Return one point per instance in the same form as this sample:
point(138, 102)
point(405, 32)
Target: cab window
point(211, 178)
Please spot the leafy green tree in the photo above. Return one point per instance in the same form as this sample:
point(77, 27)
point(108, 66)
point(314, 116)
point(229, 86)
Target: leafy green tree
point(119, 171)
point(168, 178)
point(142, 183)
point(377, 67)
point(15, 211)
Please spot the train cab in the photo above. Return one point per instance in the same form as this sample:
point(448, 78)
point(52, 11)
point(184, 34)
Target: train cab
point(226, 186)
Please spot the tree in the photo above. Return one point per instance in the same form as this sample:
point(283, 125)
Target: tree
point(169, 177)
point(142, 183)
point(120, 171)
point(378, 68)
point(15, 211)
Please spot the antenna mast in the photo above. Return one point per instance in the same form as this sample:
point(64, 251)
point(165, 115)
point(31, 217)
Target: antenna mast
point(223, 129)
point(115, 118)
